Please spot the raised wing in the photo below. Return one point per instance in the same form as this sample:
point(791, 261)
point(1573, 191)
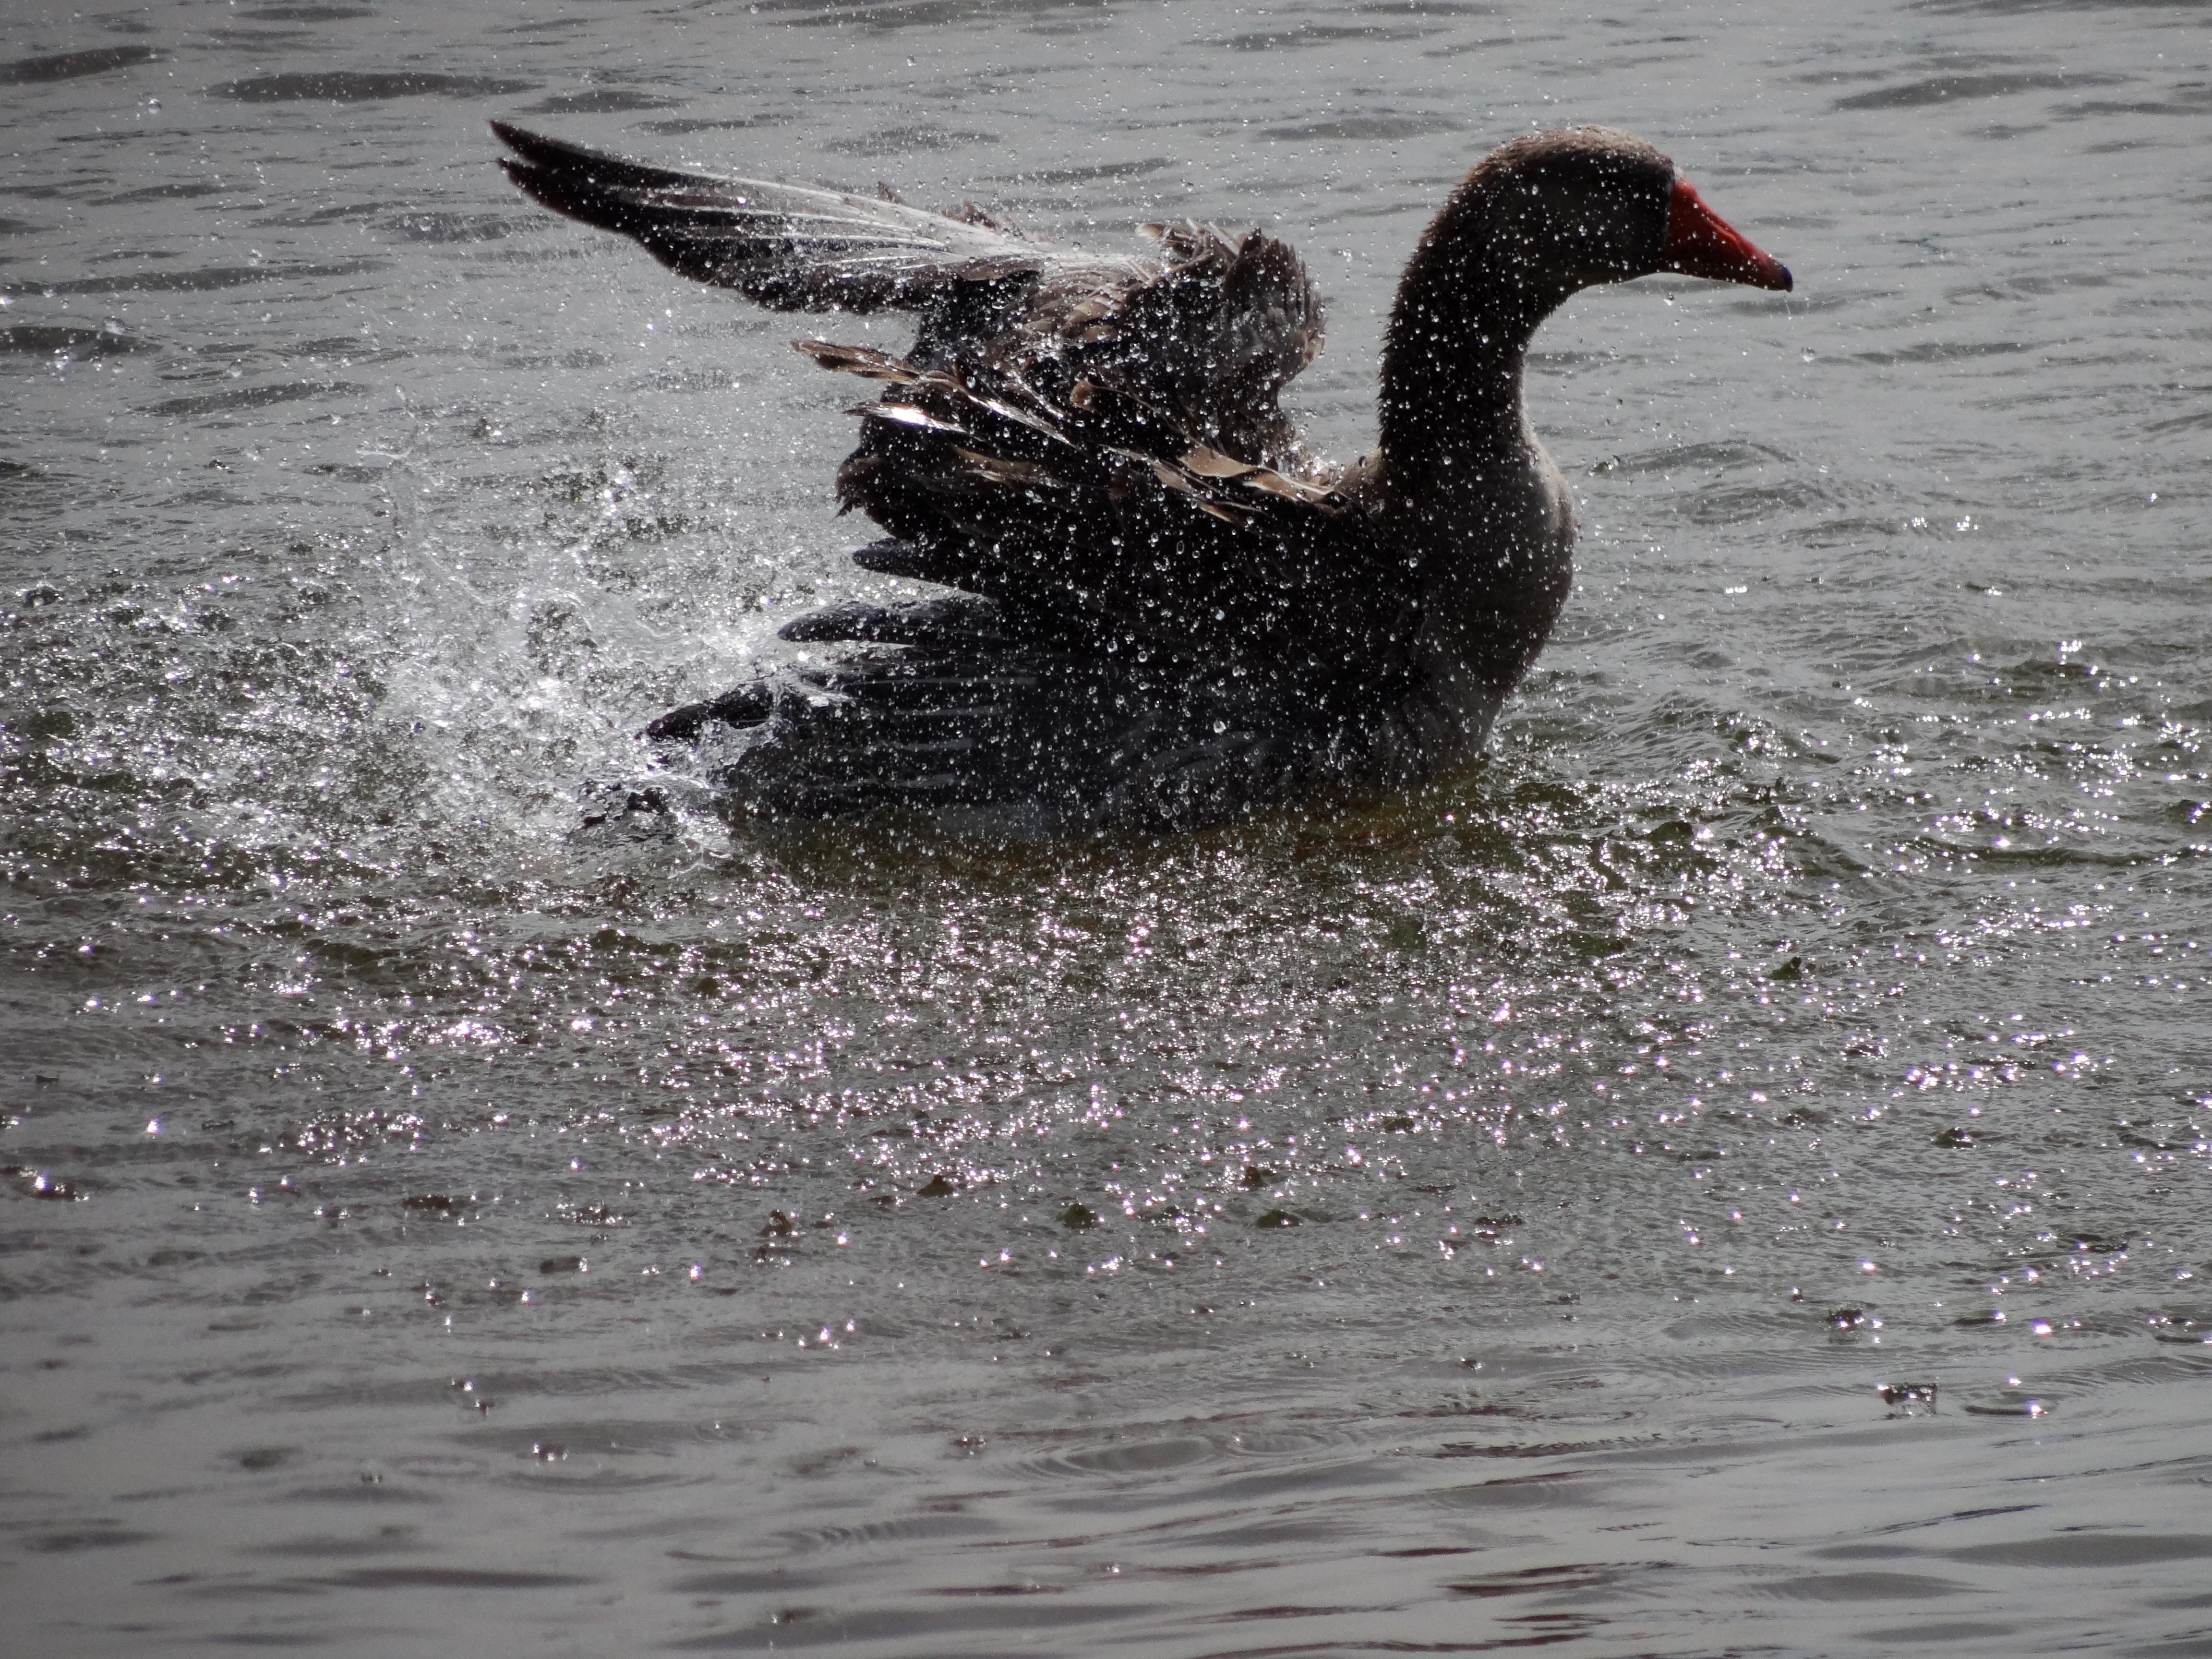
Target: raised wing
point(789, 248)
point(1102, 518)
point(1095, 444)
point(1206, 339)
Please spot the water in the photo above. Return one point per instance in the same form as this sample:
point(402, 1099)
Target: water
point(1489, 1219)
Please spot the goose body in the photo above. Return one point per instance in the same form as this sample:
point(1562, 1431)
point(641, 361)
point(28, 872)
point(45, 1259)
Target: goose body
point(1161, 610)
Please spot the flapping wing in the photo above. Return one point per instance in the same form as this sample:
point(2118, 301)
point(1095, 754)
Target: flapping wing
point(789, 248)
point(1094, 443)
point(1102, 524)
point(1203, 344)
point(1113, 462)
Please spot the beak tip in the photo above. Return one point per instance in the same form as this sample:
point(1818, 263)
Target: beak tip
point(1700, 243)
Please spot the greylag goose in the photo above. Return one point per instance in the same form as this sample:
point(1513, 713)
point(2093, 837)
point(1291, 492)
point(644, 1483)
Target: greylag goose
point(1159, 609)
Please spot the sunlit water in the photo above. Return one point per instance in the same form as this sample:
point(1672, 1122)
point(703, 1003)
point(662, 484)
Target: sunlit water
point(1488, 1220)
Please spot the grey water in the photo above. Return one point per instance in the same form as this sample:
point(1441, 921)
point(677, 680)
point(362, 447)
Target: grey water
point(1726, 1174)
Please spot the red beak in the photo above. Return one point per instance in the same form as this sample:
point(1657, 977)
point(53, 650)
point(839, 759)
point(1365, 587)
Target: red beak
point(1700, 243)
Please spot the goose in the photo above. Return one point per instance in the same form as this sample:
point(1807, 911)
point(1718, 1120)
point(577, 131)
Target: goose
point(1147, 604)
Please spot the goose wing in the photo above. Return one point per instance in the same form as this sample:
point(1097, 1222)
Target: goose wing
point(787, 247)
point(1100, 510)
point(1096, 444)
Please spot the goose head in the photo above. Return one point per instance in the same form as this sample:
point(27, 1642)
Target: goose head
point(1552, 212)
point(1533, 223)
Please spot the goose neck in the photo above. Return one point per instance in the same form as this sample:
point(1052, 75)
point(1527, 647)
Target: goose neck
point(1455, 356)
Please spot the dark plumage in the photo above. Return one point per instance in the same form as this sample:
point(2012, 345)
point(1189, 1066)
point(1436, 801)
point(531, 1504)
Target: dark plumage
point(1166, 612)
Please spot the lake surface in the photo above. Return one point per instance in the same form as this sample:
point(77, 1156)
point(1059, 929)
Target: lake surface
point(1727, 1175)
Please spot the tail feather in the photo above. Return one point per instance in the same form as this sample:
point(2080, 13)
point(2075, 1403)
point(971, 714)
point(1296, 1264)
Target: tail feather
point(786, 247)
